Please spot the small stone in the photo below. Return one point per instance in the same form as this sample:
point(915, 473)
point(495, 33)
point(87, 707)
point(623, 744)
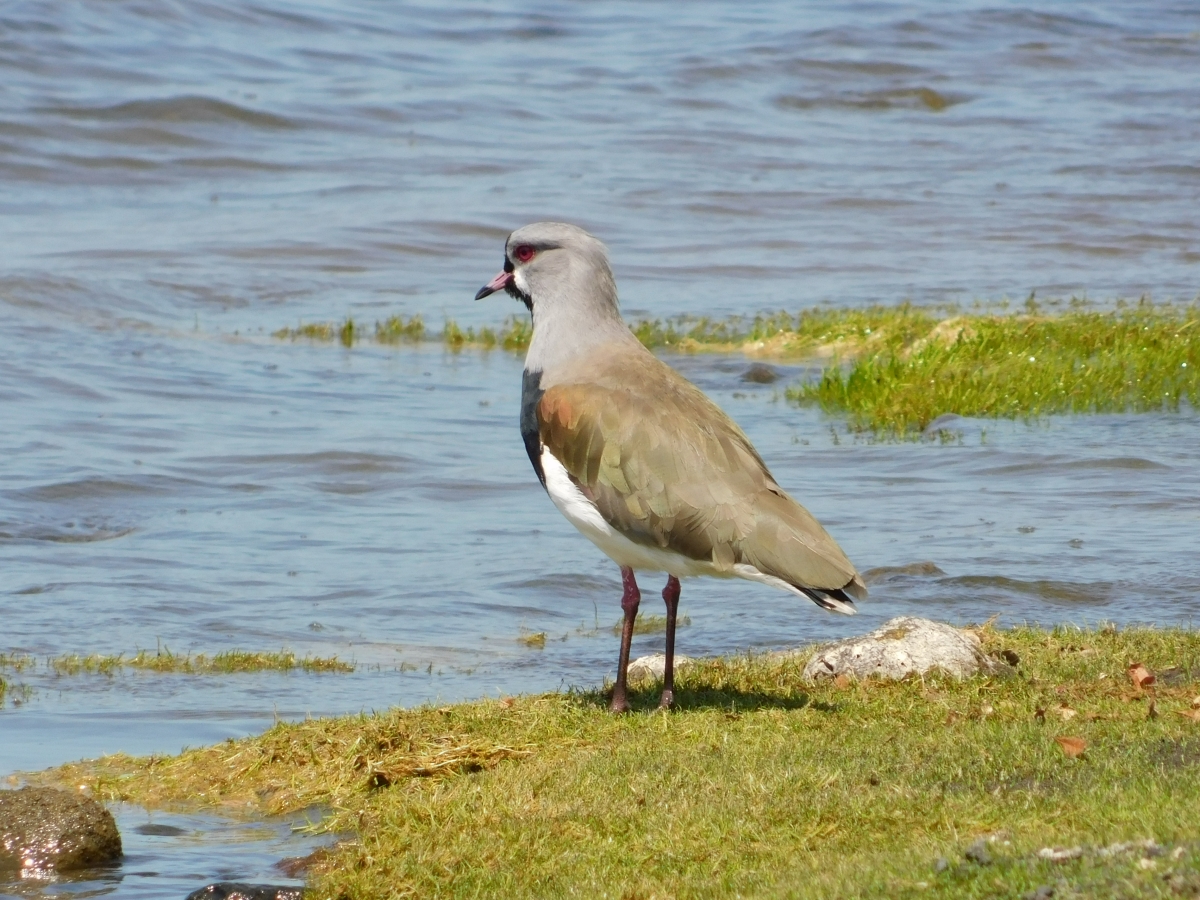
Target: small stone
point(1060, 854)
point(44, 830)
point(153, 829)
point(941, 865)
point(646, 669)
point(760, 373)
point(979, 854)
point(298, 866)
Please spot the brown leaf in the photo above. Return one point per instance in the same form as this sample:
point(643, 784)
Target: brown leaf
point(1196, 703)
point(841, 682)
point(1072, 746)
point(1140, 675)
point(1193, 714)
point(1152, 712)
point(507, 701)
point(1065, 712)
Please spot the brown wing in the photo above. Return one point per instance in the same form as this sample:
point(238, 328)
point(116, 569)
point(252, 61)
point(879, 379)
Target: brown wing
point(666, 467)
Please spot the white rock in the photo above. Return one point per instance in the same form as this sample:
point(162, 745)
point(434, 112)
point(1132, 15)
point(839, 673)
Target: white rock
point(653, 667)
point(903, 646)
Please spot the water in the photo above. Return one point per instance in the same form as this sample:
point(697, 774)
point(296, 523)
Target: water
point(168, 855)
point(179, 179)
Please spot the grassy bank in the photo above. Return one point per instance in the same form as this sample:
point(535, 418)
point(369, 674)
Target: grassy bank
point(893, 370)
point(757, 786)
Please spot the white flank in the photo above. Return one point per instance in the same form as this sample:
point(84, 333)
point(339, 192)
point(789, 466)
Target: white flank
point(583, 514)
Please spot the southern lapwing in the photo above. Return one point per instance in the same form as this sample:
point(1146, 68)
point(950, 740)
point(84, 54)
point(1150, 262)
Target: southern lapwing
point(641, 461)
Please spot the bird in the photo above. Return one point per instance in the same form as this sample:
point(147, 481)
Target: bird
point(638, 458)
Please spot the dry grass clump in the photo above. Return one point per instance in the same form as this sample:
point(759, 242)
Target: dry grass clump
point(758, 785)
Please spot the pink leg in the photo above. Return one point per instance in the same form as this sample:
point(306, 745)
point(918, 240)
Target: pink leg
point(629, 605)
point(670, 596)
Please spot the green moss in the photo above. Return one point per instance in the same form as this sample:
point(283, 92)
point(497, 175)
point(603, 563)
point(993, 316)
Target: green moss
point(758, 785)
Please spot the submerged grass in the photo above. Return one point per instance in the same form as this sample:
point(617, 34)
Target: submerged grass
point(894, 370)
point(16, 662)
point(224, 663)
point(645, 624)
point(758, 785)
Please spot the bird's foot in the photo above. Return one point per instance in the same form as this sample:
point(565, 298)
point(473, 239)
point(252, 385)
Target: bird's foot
point(667, 701)
point(619, 706)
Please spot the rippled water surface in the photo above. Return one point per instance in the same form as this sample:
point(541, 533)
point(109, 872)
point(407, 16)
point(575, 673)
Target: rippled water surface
point(180, 179)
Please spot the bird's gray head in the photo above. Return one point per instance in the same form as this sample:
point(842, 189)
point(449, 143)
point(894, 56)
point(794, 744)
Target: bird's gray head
point(553, 267)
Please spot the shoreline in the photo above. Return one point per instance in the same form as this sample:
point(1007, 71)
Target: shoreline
point(758, 784)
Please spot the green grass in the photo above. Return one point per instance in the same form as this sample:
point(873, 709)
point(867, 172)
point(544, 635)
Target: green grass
point(225, 662)
point(1137, 359)
point(758, 785)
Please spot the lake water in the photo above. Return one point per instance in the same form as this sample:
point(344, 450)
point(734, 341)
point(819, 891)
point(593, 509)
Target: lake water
point(180, 179)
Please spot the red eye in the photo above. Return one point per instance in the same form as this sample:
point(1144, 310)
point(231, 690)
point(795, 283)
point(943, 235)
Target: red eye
point(524, 253)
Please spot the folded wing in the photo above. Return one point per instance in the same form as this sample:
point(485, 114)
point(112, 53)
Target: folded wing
point(666, 467)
